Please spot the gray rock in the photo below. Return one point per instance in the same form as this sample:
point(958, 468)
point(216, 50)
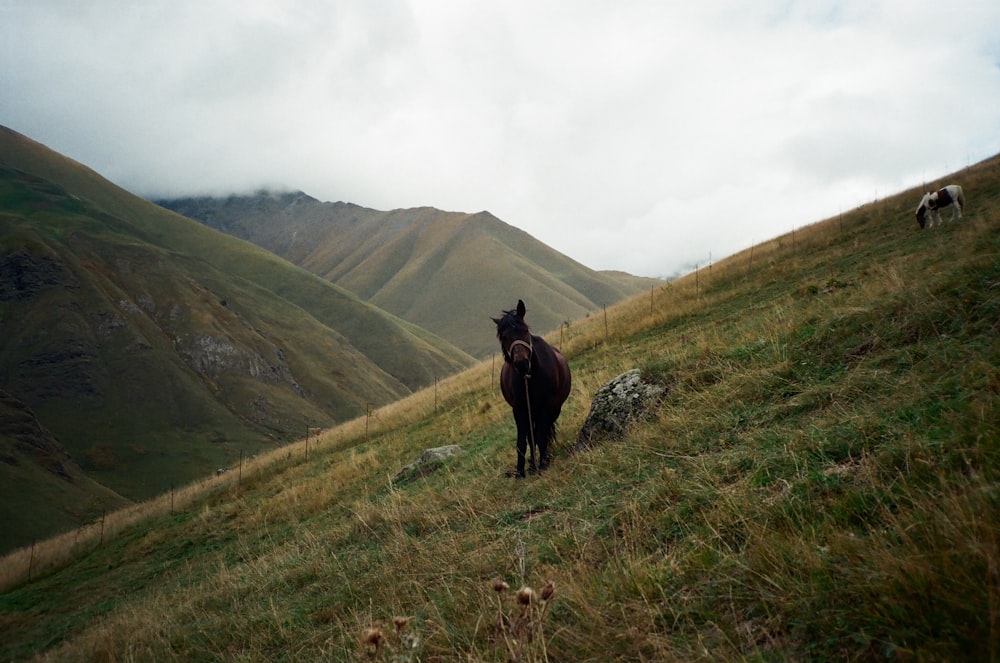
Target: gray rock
point(615, 406)
point(429, 461)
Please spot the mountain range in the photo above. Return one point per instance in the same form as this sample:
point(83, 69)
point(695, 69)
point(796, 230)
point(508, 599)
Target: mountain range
point(142, 350)
point(439, 270)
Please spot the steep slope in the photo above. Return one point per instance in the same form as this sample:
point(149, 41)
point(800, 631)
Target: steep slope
point(820, 482)
point(443, 271)
point(155, 349)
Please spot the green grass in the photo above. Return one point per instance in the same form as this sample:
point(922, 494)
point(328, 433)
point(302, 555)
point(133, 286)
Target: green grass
point(819, 483)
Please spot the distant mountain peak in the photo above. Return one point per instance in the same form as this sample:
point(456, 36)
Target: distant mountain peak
point(441, 270)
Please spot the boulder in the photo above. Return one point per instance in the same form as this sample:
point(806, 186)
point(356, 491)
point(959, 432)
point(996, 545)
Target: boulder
point(615, 406)
point(429, 461)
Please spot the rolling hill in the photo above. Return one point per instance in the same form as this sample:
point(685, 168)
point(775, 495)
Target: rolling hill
point(443, 271)
point(820, 482)
point(154, 349)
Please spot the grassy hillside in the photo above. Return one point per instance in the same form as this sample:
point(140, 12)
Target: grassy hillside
point(33, 463)
point(154, 350)
point(381, 337)
point(820, 483)
point(433, 268)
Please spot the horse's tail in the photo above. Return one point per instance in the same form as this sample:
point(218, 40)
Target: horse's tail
point(550, 434)
point(961, 198)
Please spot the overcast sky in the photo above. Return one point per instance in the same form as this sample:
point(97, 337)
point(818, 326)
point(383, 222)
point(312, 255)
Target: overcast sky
point(634, 135)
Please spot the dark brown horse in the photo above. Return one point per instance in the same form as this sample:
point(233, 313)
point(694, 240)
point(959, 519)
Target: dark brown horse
point(535, 381)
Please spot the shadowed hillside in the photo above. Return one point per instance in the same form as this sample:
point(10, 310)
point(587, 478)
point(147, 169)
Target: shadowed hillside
point(42, 488)
point(154, 349)
point(821, 481)
point(433, 268)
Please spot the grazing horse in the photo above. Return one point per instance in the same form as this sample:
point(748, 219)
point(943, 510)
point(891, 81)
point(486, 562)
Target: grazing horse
point(932, 202)
point(535, 381)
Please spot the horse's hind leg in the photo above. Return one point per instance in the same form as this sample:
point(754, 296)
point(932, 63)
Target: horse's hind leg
point(544, 434)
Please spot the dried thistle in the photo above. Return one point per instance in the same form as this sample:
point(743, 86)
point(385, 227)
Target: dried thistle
point(372, 639)
point(397, 645)
point(521, 629)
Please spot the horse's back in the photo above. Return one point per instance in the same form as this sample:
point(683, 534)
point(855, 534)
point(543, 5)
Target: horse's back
point(949, 194)
point(958, 195)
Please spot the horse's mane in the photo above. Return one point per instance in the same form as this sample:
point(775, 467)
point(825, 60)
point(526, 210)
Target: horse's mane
point(509, 321)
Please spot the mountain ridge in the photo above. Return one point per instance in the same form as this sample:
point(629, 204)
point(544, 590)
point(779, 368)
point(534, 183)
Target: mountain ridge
point(154, 349)
point(431, 267)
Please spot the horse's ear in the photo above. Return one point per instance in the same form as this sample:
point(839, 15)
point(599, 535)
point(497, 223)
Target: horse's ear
point(496, 321)
point(520, 309)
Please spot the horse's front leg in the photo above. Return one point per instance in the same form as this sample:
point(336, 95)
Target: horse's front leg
point(522, 445)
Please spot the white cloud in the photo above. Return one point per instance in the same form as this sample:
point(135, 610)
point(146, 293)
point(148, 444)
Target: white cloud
point(635, 136)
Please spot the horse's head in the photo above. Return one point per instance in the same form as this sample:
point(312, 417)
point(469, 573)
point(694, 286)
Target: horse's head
point(922, 209)
point(515, 338)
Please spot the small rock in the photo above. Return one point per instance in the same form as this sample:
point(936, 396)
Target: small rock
point(429, 461)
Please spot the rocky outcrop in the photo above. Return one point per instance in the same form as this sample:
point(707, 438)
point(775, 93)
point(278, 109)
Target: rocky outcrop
point(24, 275)
point(616, 406)
point(214, 356)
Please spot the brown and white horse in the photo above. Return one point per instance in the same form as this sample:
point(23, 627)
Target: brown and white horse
point(933, 201)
